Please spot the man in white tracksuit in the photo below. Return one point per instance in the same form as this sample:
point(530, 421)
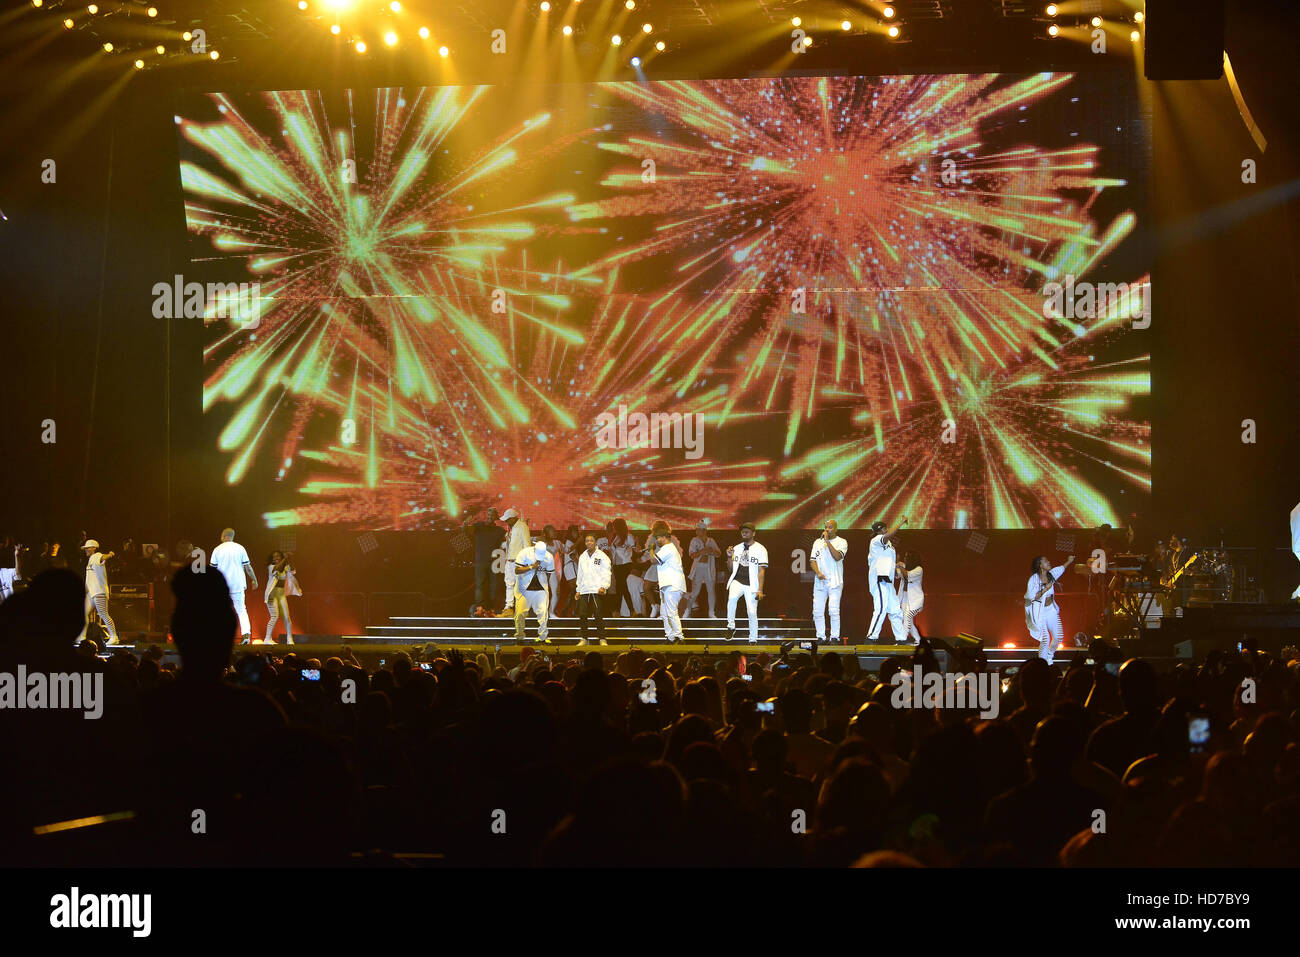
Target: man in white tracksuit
point(595, 575)
point(533, 567)
point(231, 560)
point(517, 539)
point(1042, 613)
point(704, 553)
point(882, 562)
point(748, 571)
point(672, 582)
point(827, 558)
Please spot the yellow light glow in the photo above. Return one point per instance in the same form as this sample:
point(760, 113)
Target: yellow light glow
point(660, 46)
point(390, 38)
point(1135, 36)
point(1139, 16)
point(795, 21)
point(443, 51)
point(335, 29)
point(893, 30)
point(646, 28)
point(152, 11)
point(1051, 9)
point(361, 46)
point(424, 33)
point(215, 54)
point(38, 3)
point(160, 49)
point(108, 48)
point(1095, 21)
point(888, 12)
point(1053, 30)
point(139, 64)
point(68, 23)
point(807, 41)
point(616, 40)
point(395, 7)
point(546, 7)
point(568, 30)
point(631, 4)
point(187, 36)
point(845, 25)
point(93, 8)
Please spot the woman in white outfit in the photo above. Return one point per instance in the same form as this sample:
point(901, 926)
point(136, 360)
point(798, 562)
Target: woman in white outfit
point(1042, 613)
point(280, 584)
point(910, 596)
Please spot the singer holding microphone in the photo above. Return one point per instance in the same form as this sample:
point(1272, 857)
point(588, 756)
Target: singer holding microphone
point(1042, 613)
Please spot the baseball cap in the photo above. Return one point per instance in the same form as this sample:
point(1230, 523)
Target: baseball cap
point(748, 525)
point(510, 513)
point(702, 523)
point(90, 543)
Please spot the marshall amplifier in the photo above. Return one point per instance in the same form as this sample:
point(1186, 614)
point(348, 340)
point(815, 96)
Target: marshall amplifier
point(132, 608)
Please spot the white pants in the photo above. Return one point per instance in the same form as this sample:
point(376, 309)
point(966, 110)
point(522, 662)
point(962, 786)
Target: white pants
point(7, 576)
point(237, 599)
point(631, 604)
point(823, 596)
point(278, 604)
point(1046, 629)
point(101, 606)
point(509, 576)
point(885, 605)
point(709, 584)
point(912, 605)
point(734, 591)
point(668, 601)
point(538, 602)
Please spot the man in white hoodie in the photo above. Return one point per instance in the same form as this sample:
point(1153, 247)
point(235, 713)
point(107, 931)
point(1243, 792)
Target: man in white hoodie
point(595, 574)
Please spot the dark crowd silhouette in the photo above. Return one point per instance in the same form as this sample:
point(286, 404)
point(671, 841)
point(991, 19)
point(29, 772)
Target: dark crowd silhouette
point(620, 759)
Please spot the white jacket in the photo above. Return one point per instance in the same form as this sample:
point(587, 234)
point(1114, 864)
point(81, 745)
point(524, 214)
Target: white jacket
point(291, 588)
point(594, 572)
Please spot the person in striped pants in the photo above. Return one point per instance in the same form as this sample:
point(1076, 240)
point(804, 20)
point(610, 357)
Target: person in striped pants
point(97, 586)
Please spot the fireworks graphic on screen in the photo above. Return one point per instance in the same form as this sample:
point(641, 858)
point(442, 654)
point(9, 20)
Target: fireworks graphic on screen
point(831, 271)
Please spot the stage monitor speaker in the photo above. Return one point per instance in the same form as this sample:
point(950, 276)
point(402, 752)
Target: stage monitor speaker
point(131, 607)
point(1184, 39)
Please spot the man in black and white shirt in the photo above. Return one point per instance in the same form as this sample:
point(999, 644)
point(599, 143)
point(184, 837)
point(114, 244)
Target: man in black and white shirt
point(748, 572)
point(595, 573)
point(533, 567)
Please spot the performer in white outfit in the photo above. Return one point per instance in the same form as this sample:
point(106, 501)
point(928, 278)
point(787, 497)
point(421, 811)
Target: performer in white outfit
point(97, 586)
point(533, 567)
point(748, 574)
point(231, 560)
point(517, 538)
point(827, 557)
point(882, 563)
point(1295, 541)
point(910, 596)
point(9, 570)
point(595, 574)
point(1042, 613)
point(704, 553)
point(672, 583)
point(281, 585)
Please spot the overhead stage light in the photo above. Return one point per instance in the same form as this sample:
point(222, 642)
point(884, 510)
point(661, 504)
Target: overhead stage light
point(660, 46)
point(335, 29)
point(67, 23)
point(390, 38)
point(888, 12)
point(395, 7)
point(108, 48)
point(807, 41)
point(215, 54)
point(795, 21)
point(567, 30)
point(160, 49)
point(443, 51)
point(893, 31)
point(616, 40)
point(139, 64)
point(361, 46)
point(1139, 17)
point(546, 7)
point(636, 61)
point(1051, 10)
point(845, 25)
point(1095, 21)
point(424, 33)
point(92, 9)
point(1053, 30)
point(153, 11)
point(1135, 36)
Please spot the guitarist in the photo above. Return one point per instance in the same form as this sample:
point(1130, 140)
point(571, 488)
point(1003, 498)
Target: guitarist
point(1042, 613)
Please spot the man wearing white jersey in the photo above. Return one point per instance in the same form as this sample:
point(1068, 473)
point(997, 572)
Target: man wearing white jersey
point(882, 562)
point(533, 567)
point(231, 560)
point(827, 557)
point(1042, 613)
point(672, 582)
point(595, 575)
point(97, 586)
point(748, 573)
